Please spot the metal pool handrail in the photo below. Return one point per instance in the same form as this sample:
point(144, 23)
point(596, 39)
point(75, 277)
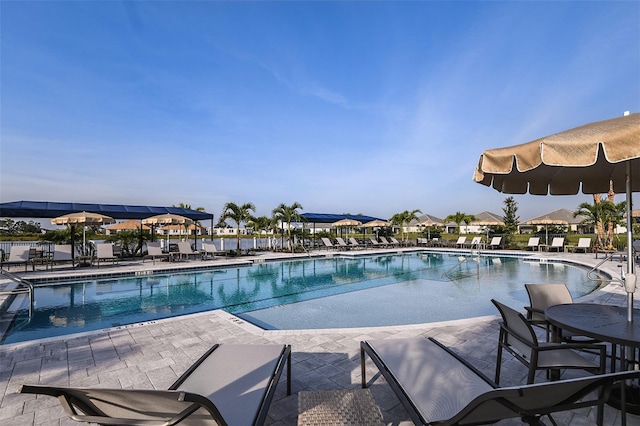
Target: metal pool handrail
point(24, 286)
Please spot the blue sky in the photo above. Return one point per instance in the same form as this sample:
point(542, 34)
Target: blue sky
point(359, 107)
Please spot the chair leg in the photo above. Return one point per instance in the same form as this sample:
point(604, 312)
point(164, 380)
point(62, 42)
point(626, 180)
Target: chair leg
point(499, 358)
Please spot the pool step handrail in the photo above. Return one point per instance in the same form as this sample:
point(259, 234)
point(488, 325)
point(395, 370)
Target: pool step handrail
point(592, 272)
point(461, 260)
point(22, 287)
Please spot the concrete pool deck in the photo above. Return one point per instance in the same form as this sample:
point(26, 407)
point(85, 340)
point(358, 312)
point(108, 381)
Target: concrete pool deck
point(152, 355)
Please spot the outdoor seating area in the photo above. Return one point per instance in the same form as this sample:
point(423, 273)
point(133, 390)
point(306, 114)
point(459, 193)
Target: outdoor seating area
point(473, 348)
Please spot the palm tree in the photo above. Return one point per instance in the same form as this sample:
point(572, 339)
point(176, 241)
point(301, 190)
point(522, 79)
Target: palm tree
point(406, 216)
point(458, 218)
point(261, 223)
point(596, 215)
point(238, 214)
point(287, 214)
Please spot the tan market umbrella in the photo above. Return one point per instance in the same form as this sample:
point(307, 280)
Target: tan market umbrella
point(346, 222)
point(377, 223)
point(166, 219)
point(588, 157)
point(84, 219)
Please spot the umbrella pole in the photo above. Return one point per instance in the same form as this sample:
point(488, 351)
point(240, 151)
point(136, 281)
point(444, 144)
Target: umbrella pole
point(73, 244)
point(630, 278)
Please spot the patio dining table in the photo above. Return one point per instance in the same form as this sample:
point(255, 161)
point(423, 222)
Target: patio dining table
point(605, 323)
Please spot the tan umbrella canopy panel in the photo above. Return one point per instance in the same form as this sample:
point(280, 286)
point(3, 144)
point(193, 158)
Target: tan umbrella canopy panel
point(589, 158)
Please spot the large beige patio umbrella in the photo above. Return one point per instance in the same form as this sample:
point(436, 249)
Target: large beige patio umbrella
point(167, 219)
point(346, 222)
point(84, 219)
point(588, 157)
point(376, 223)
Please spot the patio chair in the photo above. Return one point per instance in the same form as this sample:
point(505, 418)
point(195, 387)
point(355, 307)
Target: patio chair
point(104, 253)
point(584, 244)
point(519, 339)
point(185, 251)
point(386, 242)
point(534, 243)
point(476, 242)
point(154, 251)
point(495, 243)
point(327, 243)
point(61, 254)
point(462, 241)
point(19, 255)
point(395, 241)
point(437, 386)
point(209, 250)
point(341, 243)
point(229, 384)
point(353, 243)
point(557, 244)
point(541, 296)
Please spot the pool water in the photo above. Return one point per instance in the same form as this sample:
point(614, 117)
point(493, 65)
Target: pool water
point(312, 293)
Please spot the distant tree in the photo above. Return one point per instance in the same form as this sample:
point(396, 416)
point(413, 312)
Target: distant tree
point(596, 215)
point(510, 219)
point(239, 214)
point(131, 241)
point(10, 227)
point(288, 214)
point(261, 223)
point(458, 218)
point(399, 219)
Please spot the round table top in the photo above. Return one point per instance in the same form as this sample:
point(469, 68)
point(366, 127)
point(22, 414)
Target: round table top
point(602, 322)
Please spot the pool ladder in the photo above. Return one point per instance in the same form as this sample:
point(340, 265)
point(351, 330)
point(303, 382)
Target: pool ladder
point(17, 286)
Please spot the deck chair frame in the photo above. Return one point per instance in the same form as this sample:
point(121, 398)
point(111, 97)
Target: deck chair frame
point(490, 403)
point(104, 253)
point(154, 251)
point(19, 255)
point(185, 403)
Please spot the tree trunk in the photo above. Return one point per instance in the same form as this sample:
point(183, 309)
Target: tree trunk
point(610, 196)
point(599, 226)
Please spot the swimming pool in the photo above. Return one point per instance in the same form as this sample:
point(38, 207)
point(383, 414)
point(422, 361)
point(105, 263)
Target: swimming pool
point(312, 293)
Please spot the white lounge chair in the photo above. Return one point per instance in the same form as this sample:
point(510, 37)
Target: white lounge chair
point(386, 243)
point(476, 242)
point(154, 251)
point(374, 242)
point(327, 243)
point(557, 244)
point(341, 243)
point(353, 243)
point(495, 242)
point(104, 253)
point(185, 251)
point(209, 250)
point(19, 255)
point(584, 244)
point(534, 243)
point(61, 254)
point(394, 241)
